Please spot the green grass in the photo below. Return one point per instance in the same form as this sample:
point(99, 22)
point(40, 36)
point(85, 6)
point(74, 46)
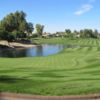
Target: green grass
point(73, 71)
point(82, 42)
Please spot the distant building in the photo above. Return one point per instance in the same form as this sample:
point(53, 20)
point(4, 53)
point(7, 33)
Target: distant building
point(77, 35)
point(45, 35)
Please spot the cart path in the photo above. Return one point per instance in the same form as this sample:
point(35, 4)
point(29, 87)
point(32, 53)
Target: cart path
point(14, 96)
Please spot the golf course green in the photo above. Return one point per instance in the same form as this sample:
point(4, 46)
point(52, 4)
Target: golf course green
point(73, 71)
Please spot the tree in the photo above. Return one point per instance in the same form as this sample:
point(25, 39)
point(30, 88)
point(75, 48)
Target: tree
point(39, 29)
point(76, 34)
point(29, 28)
point(82, 34)
point(16, 25)
point(68, 32)
point(88, 33)
point(96, 33)
point(4, 35)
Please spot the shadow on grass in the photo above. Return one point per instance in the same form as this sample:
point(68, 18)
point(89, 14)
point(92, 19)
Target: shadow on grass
point(49, 75)
point(9, 79)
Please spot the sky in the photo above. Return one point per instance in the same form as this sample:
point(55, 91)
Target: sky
point(56, 15)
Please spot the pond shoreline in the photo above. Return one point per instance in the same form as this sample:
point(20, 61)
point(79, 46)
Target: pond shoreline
point(29, 50)
point(5, 44)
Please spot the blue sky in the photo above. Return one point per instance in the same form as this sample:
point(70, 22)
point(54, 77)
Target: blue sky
point(56, 15)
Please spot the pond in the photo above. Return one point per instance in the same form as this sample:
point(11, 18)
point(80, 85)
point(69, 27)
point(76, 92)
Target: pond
point(41, 50)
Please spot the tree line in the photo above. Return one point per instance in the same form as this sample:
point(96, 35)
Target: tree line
point(85, 33)
point(14, 26)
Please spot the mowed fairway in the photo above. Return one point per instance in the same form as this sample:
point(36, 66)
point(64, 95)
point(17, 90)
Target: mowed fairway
point(73, 71)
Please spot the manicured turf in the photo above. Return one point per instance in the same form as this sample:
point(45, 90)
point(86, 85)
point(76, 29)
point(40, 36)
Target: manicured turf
point(72, 71)
point(83, 42)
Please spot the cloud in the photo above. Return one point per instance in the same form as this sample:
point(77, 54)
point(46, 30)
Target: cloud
point(85, 8)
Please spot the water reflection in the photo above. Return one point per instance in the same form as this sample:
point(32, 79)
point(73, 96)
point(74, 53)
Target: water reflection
point(41, 50)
